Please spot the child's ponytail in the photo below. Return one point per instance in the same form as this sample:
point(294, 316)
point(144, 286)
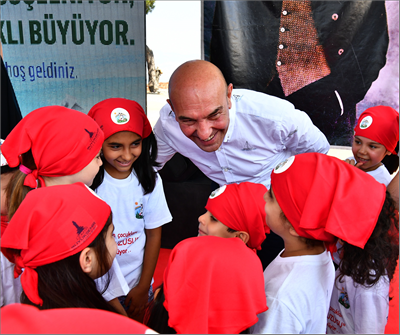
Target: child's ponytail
point(16, 191)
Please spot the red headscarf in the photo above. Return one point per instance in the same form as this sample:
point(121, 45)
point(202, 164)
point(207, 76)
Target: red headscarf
point(241, 207)
point(25, 319)
point(63, 141)
point(118, 114)
point(325, 198)
point(51, 224)
point(213, 285)
point(380, 124)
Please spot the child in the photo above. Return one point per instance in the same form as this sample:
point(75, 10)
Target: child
point(236, 210)
point(376, 136)
point(55, 145)
point(129, 183)
point(309, 200)
point(212, 285)
point(360, 297)
point(63, 240)
point(10, 287)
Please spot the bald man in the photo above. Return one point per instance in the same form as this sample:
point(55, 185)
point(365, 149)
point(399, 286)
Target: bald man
point(231, 135)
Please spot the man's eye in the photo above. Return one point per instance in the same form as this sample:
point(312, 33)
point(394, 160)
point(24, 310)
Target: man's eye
point(188, 122)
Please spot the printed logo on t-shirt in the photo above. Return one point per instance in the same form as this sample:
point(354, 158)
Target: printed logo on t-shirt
point(217, 192)
point(283, 166)
point(120, 116)
point(366, 122)
point(138, 210)
point(344, 298)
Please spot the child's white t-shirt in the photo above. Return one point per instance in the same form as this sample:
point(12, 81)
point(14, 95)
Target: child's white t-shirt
point(356, 309)
point(298, 291)
point(381, 174)
point(132, 213)
point(11, 287)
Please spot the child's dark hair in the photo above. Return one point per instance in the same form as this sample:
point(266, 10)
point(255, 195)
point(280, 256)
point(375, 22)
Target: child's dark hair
point(63, 284)
point(157, 317)
point(16, 191)
point(392, 162)
point(143, 166)
point(380, 254)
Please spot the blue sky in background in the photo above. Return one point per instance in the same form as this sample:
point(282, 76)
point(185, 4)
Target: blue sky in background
point(174, 34)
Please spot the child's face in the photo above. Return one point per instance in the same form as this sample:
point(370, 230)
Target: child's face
point(87, 174)
point(112, 250)
point(209, 225)
point(4, 180)
point(274, 219)
point(367, 152)
point(120, 152)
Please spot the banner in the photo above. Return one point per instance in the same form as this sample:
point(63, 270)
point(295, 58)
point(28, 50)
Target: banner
point(323, 56)
point(74, 53)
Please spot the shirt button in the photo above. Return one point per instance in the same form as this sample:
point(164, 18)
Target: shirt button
point(281, 46)
point(340, 51)
point(284, 12)
point(335, 17)
point(282, 29)
point(279, 63)
point(225, 170)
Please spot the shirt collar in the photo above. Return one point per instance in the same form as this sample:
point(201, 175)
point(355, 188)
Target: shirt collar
point(232, 120)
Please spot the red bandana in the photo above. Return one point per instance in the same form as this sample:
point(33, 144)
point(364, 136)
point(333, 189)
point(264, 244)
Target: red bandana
point(52, 223)
point(241, 207)
point(63, 141)
point(380, 124)
point(213, 285)
point(325, 198)
point(25, 319)
point(117, 114)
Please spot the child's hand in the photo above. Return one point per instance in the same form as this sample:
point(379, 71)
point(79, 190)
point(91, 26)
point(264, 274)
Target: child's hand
point(353, 162)
point(137, 301)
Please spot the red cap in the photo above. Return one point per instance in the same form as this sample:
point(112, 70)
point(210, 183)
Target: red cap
point(241, 207)
point(52, 223)
point(325, 198)
point(380, 124)
point(25, 319)
point(117, 114)
point(213, 285)
point(63, 141)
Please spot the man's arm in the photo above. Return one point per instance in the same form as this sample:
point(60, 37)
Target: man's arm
point(301, 135)
point(165, 151)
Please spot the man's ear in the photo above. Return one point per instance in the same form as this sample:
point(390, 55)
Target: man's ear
point(86, 261)
point(170, 104)
point(229, 95)
point(244, 236)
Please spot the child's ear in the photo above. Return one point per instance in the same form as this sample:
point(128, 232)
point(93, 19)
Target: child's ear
point(293, 232)
point(86, 261)
point(388, 153)
point(244, 236)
